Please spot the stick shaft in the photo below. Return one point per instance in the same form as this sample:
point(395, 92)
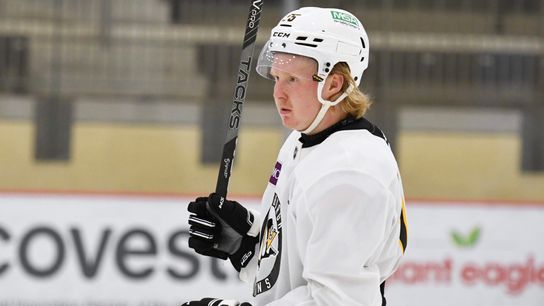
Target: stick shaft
point(240, 91)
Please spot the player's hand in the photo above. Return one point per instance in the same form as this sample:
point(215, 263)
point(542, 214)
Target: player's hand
point(221, 229)
point(215, 302)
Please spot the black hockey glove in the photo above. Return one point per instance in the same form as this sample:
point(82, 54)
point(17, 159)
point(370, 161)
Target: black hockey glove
point(221, 230)
point(215, 302)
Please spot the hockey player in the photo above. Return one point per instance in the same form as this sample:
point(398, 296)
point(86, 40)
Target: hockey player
point(333, 225)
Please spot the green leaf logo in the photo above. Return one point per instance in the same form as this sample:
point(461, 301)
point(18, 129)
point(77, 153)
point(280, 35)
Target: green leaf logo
point(466, 241)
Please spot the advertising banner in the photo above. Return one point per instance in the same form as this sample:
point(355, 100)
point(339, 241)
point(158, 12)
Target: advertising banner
point(99, 250)
point(96, 251)
point(472, 254)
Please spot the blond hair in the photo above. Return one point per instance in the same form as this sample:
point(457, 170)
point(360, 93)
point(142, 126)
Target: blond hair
point(356, 103)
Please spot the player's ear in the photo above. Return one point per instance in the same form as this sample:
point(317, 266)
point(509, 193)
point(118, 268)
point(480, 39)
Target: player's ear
point(333, 86)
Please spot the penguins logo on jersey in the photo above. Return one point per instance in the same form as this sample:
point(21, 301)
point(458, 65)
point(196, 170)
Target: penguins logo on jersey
point(267, 248)
point(270, 249)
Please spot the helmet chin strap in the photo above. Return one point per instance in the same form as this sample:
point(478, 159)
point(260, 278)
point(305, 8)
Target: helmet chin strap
point(325, 105)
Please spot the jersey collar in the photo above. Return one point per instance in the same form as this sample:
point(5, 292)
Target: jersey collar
point(350, 123)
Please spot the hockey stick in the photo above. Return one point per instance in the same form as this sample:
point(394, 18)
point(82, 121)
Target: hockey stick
point(240, 90)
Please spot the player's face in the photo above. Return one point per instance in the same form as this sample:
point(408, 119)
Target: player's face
point(295, 93)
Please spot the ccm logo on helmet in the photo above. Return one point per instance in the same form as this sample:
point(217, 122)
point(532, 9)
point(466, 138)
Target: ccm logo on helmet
point(281, 34)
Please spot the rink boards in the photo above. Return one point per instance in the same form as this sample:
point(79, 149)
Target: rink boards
point(104, 249)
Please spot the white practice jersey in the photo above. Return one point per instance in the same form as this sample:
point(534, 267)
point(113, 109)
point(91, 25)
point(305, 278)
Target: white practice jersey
point(333, 220)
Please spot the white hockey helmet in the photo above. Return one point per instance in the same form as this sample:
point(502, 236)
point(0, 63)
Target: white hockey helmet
point(327, 35)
